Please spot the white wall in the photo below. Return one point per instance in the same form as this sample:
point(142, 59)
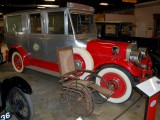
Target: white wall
point(144, 18)
point(120, 18)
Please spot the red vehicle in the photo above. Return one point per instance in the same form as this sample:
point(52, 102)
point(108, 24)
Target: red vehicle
point(33, 36)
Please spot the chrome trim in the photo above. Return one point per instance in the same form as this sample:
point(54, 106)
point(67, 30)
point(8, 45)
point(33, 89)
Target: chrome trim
point(135, 57)
point(144, 52)
point(131, 47)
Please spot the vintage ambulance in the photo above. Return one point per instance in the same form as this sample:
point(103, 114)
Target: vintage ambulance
point(32, 37)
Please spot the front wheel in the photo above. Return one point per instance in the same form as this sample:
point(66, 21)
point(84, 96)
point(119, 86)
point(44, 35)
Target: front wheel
point(118, 80)
point(21, 104)
point(17, 62)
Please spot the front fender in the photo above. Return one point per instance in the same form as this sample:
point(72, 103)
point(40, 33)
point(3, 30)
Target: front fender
point(15, 81)
point(22, 52)
point(125, 64)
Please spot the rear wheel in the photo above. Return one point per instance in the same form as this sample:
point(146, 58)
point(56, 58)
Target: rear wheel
point(17, 62)
point(21, 104)
point(118, 80)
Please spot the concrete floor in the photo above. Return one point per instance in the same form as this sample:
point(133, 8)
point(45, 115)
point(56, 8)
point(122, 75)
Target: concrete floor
point(49, 105)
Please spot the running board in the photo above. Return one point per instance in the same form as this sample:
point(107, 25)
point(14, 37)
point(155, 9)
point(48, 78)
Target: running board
point(49, 72)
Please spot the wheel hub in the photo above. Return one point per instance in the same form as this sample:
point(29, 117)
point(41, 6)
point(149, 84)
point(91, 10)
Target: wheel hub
point(113, 84)
point(78, 64)
point(19, 104)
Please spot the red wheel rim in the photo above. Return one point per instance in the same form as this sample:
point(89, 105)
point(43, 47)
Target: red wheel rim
point(17, 62)
point(115, 83)
point(78, 58)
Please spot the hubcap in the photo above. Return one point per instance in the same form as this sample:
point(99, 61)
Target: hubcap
point(115, 83)
point(80, 63)
point(17, 62)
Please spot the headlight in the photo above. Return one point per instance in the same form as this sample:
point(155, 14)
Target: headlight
point(135, 57)
point(131, 47)
point(144, 52)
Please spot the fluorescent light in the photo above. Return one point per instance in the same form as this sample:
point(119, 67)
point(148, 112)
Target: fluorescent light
point(40, 7)
point(49, 0)
point(1, 13)
point(103, 3)
point(48, 5)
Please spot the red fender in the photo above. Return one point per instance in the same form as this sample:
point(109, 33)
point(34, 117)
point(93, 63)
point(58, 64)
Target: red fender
point(23, 53)
point(127, 65)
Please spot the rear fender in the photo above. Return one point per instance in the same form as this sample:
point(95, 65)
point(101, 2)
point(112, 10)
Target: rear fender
point(125, 64)
point(23, 53)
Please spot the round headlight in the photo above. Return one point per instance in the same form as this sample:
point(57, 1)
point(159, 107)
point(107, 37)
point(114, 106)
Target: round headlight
point(144, 52)
point(135, 57)
point(131, 47)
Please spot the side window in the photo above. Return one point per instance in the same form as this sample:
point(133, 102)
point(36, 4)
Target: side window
point(14, 23)
point(35, 23)
point(56, 22)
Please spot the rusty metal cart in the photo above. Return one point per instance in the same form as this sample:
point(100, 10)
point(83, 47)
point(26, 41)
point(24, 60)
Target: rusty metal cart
point(77, 92)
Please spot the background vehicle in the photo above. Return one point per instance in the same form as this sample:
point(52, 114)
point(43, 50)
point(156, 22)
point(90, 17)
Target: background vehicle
point(15, 99)
point(124, 31)
point(33, 36)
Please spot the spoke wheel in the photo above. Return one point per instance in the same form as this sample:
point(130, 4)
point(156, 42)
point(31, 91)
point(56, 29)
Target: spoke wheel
point(21, 104)
point(79, 99)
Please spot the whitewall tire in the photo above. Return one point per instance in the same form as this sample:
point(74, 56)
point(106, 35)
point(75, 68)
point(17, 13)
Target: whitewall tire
point(17, 62)
point(119, 80)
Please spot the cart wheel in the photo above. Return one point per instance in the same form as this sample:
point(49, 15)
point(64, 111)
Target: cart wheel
point(98, 99)
point(79, 99)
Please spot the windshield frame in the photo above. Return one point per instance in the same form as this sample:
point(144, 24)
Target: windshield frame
point(81, 13)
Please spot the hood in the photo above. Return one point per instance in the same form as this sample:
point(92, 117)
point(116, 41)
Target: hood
point(104, 47)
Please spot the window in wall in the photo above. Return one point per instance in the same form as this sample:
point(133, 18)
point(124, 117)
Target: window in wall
point(110, 29)
point(35, 23)
point(14, 23)
point(56, 22)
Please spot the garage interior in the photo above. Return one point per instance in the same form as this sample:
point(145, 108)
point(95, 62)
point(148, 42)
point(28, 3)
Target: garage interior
point(48, 104)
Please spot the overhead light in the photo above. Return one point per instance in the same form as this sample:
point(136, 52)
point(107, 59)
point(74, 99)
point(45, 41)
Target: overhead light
point(47, 5)
point(49, 0)
point(103, 3)
point(40, 7)
point(1, 13)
